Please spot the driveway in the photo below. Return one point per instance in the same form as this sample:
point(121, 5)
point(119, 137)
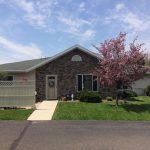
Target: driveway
point(74, 135)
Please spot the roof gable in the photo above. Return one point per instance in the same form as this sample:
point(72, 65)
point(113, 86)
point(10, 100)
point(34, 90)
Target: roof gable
point(63, 53)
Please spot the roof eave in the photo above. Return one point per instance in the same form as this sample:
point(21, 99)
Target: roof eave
point(14, 71)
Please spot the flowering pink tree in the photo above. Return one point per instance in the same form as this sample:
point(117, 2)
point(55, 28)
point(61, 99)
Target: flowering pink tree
point(117, 66)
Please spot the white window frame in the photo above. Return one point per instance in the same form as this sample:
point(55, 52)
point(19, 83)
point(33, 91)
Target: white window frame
point(83, 83)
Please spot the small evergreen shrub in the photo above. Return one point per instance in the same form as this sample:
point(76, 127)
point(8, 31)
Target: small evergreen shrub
point(93, 97)
point(129, 93)
point(147, 90)
point(109, 98)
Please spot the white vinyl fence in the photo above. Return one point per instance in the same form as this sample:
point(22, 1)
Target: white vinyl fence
point(17, 93)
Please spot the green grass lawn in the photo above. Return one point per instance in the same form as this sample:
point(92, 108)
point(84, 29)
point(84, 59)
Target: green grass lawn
point(15, 114)
point(136, 109)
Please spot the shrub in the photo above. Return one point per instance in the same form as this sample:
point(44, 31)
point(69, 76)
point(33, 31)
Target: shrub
point(129, 93)
point(86, 96)
point(109, 98)
point(147, 90)
point(77, 95)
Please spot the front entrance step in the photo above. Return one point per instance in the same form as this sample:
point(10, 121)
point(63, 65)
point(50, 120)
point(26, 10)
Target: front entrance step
point(46, 105)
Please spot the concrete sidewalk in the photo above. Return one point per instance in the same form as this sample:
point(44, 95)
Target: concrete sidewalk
point(45, 111)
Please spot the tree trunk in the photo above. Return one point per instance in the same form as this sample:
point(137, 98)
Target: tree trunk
point(119, 86)
point(117, 99)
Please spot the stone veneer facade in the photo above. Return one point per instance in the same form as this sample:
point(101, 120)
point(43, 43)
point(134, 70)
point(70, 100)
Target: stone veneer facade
point(66, 71)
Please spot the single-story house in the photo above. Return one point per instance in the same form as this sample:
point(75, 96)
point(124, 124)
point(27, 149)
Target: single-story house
point(68, 71)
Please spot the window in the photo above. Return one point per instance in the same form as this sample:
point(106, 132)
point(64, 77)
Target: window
point(87, 82)
point(95, 83)
point(76, 58)
point(6, 78)
point(79, 82)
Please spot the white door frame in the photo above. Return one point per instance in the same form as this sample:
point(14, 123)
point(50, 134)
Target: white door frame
point(47, 85)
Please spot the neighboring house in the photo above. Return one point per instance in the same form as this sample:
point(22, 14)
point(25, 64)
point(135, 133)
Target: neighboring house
point(64, 73)
point(140, 85)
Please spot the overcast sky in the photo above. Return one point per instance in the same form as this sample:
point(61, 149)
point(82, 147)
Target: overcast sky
point(39, 28)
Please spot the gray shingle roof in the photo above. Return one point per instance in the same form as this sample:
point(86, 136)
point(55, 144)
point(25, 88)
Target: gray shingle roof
point(22, 65)
point(29, 65)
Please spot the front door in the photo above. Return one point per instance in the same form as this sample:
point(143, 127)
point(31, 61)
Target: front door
point(51, 87)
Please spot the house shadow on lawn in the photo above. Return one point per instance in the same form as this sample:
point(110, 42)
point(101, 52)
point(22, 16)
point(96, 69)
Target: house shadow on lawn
point(138, 108)
point(134, 99)
point(133, 107)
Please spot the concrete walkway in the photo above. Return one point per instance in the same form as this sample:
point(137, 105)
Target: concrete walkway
point(45, 111)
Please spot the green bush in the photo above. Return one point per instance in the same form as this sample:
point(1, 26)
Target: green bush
point(147, 90)
point(129, 93)
point(86, 96)
point(109, 98)
point(77, 95)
